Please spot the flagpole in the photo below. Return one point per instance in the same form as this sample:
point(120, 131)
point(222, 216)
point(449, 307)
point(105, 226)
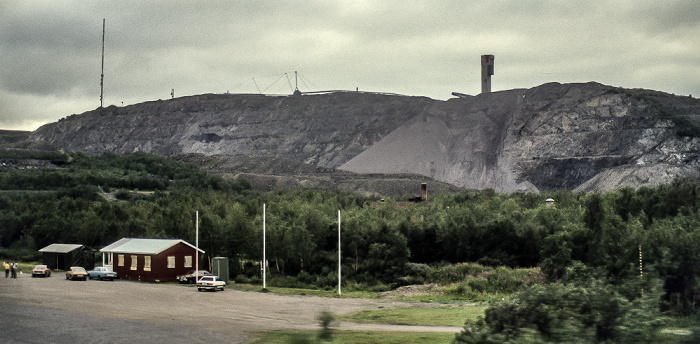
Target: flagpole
point(339, 269)
point(196, 244)
point(264, 258)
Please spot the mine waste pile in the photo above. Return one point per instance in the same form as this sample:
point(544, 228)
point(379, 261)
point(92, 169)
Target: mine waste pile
point(583, 137)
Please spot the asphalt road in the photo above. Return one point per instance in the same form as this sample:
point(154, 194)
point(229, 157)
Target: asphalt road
point(55, 310)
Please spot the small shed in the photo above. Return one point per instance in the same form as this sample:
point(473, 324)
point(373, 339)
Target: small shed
point(155, 260)
point(219, 267)
point(63, 256)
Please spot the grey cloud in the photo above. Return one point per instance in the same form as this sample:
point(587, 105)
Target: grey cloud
point(51, 50)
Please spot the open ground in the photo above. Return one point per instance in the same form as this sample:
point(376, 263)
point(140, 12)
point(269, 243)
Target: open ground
point(55, 310)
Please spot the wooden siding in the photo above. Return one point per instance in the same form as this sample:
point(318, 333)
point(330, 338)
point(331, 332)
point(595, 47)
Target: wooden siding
point(159, 264)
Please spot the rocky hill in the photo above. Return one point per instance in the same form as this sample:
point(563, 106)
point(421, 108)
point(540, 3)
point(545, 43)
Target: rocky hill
point(554, 136)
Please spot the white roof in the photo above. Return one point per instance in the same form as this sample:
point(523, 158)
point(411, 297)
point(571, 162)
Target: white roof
point(143, 246)
point(60, 248)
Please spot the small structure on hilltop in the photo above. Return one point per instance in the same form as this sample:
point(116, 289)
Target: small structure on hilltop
point(63, 256)
point(486, 72)
point(155, 260)
point(423, 194)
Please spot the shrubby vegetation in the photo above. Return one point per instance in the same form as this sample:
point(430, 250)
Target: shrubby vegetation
point(469, 280)
point(590, 312)
point(586, 235)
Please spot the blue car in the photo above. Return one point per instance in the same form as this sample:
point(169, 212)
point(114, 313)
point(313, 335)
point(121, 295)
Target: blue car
point(102, 273)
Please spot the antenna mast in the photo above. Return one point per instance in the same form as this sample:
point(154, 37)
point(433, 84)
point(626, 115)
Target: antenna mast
point(296, 85)
point(102, 76)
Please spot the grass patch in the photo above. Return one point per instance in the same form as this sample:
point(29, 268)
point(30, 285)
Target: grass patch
point(355, 337)
point(445, 296)
point(305, 292)
point(429, 316)
point(449, 297)
point(24, 267)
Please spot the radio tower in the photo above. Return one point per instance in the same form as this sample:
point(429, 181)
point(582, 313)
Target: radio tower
point(102, 76)
point(296, 85)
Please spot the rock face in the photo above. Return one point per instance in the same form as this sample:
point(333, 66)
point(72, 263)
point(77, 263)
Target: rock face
point(320, 130)
point(571, 136)
point(574, 136)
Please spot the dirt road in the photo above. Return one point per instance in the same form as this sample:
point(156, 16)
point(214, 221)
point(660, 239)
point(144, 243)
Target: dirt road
point(54, 310)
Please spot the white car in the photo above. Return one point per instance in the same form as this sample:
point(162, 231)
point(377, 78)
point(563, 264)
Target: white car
point(210, 282)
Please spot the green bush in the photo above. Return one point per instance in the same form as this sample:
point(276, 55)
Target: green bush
point(594, 312)
point(477, 278)
point(478, 284)
point(451, 273)
point(463, 291)
point(408, 280)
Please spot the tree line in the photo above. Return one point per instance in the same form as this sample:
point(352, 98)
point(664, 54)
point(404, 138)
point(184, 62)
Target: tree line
point(601, 234)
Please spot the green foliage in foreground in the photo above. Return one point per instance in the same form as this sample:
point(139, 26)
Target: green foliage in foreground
point(592, 312)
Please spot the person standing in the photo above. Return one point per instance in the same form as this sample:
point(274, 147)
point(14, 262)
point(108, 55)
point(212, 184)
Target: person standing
point(14, 270)
point(7, 269)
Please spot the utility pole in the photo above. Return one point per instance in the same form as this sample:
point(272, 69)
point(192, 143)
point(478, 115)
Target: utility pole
point(102, 76)
point(641, 270)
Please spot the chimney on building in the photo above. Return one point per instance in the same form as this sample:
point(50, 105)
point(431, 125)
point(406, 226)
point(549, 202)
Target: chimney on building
point(486, 72)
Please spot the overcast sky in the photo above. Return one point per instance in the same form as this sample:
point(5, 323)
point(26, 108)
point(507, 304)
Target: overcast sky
point(50, 51)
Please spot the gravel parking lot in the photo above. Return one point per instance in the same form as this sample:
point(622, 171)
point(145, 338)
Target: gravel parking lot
point(55, 310)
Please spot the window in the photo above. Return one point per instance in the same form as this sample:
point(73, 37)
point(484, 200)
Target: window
point(120, 260)
point(147, 263)
point(134, 262)
point(171, 262)
point(188, 261)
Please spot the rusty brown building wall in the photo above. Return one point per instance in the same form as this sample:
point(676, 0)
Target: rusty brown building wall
point(159, 270)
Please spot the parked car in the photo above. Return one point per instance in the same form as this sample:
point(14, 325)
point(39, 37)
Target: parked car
point(191, 277)
point(41, 271)
point(76, 273)
point(102, 273)
point(211, 283)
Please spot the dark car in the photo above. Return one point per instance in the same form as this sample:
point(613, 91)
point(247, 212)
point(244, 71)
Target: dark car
point(41, 271)
point(191, 277)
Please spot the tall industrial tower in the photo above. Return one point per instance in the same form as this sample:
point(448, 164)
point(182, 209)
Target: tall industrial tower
point(486, 72)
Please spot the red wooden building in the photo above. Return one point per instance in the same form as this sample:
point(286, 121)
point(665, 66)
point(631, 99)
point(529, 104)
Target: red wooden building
point(156, 260)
